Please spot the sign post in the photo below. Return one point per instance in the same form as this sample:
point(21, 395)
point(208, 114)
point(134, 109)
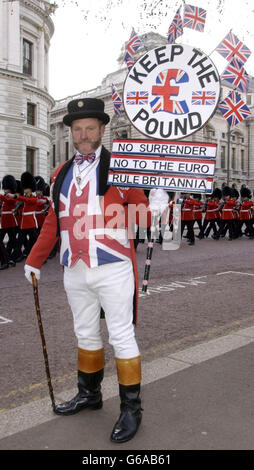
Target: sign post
point(170, 93)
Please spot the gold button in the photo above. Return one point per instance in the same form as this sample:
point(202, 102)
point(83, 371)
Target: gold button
point(80, 252)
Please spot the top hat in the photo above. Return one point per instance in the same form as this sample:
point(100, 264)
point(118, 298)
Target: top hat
point(10, 183)
point(85, 108)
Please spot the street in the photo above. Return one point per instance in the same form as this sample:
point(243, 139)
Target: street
point(195, 294)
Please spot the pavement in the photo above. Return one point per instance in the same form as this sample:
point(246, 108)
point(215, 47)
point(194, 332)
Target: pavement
point(199, 398)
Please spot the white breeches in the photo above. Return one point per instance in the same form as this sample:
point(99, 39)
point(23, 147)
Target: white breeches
point(110, 286)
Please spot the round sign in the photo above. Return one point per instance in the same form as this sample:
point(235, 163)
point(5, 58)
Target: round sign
point(171, 92)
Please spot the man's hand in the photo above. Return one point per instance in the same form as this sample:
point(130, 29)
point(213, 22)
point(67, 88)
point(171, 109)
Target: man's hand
point(158, 200)
point(28, 270)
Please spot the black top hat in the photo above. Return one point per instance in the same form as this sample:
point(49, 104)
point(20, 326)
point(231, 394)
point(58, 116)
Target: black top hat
point(9, 182)
point(85, 108)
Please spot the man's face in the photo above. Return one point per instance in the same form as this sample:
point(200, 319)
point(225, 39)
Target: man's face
point(87, 134)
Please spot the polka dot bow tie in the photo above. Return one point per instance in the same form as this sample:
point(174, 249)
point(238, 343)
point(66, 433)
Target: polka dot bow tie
point(90, 157)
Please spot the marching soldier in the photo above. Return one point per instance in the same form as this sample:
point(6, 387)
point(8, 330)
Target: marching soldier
point(28, 222)
point(42, 202)
point(245, 210)
point(9, 224)
point(227, 215)
point(187, 217)
point(212, 214)
point(197, 213)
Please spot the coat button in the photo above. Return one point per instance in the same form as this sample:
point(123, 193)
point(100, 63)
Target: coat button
point(80, 252)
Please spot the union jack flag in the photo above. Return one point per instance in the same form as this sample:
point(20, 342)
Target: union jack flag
point(231, 47)
point(194, 18)
point(164, 91)
point(117, 101)
point(176, 28)
point(137, 97)
point(236, 74)
point(131, 47)
point(129, 62)
point(203, 97)
point(234, 109)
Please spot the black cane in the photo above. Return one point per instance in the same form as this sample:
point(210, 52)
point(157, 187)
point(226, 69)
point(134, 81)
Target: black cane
point(149, 253)
point(44, 347)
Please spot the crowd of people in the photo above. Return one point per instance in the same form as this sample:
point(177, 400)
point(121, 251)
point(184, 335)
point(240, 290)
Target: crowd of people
point(24, 205)
point(224, 213)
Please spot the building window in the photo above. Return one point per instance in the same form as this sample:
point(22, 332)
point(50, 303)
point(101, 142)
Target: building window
point(54, 156)
point(31, 113)
point(233, 158)
point(223, 157)
point(66, 151)
point(249, 100)
point(242, 159)
point(30, 160)
point(27, 57)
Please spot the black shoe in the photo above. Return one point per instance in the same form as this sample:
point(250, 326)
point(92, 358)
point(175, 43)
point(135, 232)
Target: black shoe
point(4, 266)
point(12, 263)
point(131, 414)
point(191, 243)
point(89, 395)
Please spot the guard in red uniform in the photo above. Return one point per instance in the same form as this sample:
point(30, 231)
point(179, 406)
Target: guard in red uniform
point(227, 214)
point(197, 213)
point(28, 222)
point(9, 224)
point(212, 214)
point(245, 212)
point(42, 202)
point(187, 217)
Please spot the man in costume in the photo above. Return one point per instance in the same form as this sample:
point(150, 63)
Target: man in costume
point(97, 251)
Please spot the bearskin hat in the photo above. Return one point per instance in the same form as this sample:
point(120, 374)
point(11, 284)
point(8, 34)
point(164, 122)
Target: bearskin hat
point(40, 183)
point(28, 181)
point(217, 193)
point(196, 196)
point(9, 182)
point(46, 191)
point(19, 187)
point(226, 191)
point(245, 192)
point(235, 193)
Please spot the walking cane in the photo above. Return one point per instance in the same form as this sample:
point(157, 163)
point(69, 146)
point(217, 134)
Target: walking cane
point(44, 348)
point(154, 222)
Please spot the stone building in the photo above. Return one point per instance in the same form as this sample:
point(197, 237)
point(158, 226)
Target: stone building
point(25, 32)
point(240, 169)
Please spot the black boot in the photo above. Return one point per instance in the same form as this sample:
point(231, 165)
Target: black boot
point(131, 413)
point(89, 395)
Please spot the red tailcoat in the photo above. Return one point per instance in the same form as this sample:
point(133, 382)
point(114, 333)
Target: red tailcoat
point(48, 235)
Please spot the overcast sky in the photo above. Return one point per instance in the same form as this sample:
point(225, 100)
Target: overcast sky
point(83, 51)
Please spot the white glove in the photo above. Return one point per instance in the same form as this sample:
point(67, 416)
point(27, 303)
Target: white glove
point(158, 200)
point(28, 270)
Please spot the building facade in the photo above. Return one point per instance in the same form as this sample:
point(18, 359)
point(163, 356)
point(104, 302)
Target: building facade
point(233, 167)
point(25, 104)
